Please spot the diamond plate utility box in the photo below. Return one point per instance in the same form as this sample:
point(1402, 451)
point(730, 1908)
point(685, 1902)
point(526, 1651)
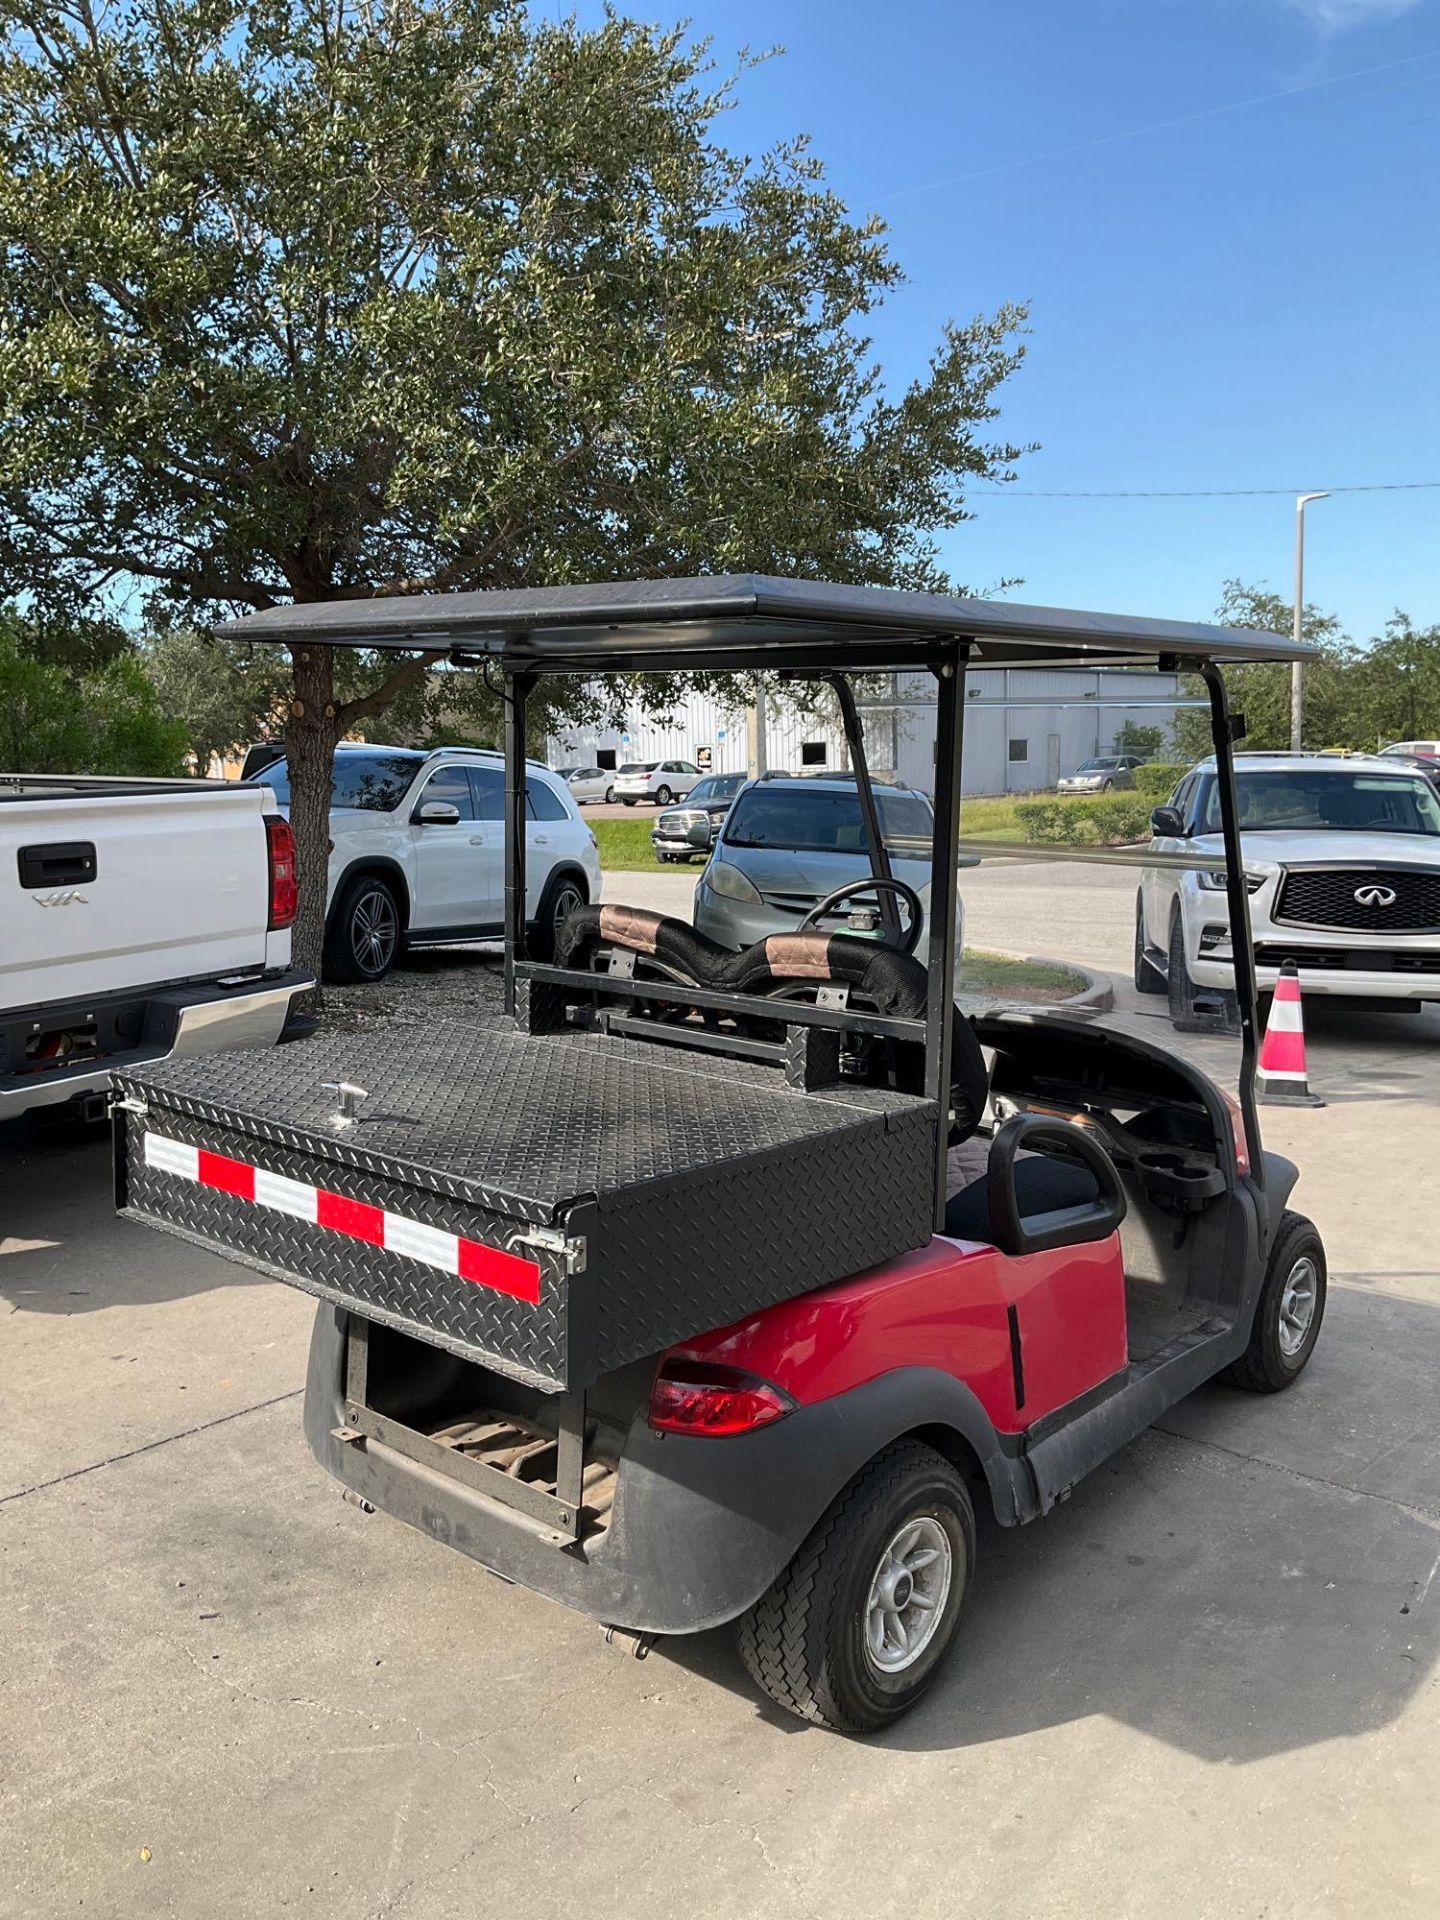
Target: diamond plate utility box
point(552, 1206)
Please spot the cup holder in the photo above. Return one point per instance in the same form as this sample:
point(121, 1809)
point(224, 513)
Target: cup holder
point(1178, 1180)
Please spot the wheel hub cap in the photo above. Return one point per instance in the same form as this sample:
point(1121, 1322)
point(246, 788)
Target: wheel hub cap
point(374, 930)
point(1297, 1306)
point(908, 1592)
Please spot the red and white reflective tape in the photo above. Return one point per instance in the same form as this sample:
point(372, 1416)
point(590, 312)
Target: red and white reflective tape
point(356, 1219)
point(1282, 1051)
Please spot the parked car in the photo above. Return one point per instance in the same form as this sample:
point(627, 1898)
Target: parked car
point(143, 920)
point(1100, 774)
point(786, 844)
point(1408, 749)
point(588, 783)
point(417, 853)
point(659, 780)
point(1342, 865)
point(707, 806)
point(1426, 763)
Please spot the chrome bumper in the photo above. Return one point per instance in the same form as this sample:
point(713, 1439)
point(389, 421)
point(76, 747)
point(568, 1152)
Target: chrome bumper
point(193, 1019)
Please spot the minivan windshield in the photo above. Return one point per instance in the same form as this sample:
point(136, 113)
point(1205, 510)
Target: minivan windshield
point(369, 782)
point(816, 820)
point(719, 786)
point(1339, 802)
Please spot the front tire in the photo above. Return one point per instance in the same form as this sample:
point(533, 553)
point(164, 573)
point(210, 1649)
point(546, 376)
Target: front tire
point(856, 1628)
point(663, 796)
point(1288, 1313)
point(561, 897)
point(362, 937)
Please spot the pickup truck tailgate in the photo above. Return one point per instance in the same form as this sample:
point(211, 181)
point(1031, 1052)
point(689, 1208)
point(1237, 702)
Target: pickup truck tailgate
point(110, 890)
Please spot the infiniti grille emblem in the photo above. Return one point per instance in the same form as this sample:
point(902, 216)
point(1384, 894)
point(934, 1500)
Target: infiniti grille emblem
point(1375, 896)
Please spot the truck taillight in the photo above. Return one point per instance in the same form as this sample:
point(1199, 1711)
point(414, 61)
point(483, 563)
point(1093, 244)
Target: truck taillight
point(697, 1397)
point(284, 892)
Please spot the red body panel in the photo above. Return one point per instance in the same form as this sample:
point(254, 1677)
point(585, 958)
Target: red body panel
point(946, 1306)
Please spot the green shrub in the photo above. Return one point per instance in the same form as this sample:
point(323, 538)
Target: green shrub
point(1159, 778)
point(1105, 820)
point(54, 719)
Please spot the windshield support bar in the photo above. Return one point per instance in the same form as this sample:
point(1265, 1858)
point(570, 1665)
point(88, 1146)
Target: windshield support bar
point(942, 959)
point(869, 811)
point(1238, 897)
point(517, 692)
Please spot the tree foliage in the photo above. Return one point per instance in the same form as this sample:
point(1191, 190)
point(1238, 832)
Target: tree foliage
point(62, 718)
point(1356, 696)
point(313, 298)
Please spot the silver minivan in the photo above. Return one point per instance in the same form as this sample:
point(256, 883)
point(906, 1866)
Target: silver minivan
point(786, 844)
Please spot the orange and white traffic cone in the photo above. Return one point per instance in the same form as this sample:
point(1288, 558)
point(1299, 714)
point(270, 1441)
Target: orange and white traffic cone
point(1280, 1079)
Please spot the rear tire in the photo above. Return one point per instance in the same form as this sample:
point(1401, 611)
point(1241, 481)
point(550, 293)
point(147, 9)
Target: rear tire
point(628, 803)
point(845, 1637)
point(1288, 1313)
point(609, 796)
point(1148, 977)
point(363, 933)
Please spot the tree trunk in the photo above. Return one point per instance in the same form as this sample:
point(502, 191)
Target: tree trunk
point(310, 736)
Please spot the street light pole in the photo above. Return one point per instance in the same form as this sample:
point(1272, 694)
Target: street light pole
point(1297, 671)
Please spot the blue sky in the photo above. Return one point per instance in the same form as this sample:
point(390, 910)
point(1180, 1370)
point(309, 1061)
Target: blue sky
point(1246, 299)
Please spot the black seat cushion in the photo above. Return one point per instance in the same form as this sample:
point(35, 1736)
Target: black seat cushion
point(1042, 1185)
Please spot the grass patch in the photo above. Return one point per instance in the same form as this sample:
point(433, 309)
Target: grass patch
point(625, 844)
point(991, 817)
point(982, 972)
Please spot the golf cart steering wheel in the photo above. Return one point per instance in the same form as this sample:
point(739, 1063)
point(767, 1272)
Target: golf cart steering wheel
point(909, 899)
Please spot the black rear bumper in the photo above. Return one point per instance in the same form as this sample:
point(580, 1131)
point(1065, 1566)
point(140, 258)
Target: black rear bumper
point(700, 1528)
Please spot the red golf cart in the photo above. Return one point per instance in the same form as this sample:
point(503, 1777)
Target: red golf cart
point(653, 1294)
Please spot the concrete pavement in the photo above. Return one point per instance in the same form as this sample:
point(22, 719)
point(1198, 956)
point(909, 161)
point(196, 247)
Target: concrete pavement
point(1205, 1687)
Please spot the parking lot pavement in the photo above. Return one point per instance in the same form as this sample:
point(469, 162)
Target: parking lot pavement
point(1207, 1685)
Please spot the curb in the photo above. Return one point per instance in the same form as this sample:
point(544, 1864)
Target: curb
point(1096, 997)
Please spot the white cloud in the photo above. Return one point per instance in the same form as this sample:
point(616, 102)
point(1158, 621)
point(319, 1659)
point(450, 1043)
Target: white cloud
point(1338, 16)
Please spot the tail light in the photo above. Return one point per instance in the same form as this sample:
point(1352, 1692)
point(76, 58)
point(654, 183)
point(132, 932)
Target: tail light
point(284, 892)
point(697, 1397)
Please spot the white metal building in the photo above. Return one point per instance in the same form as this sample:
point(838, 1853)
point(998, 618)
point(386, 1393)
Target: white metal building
point(1024, 728)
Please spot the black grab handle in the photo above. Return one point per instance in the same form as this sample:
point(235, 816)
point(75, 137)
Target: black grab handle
point(1065, 1226)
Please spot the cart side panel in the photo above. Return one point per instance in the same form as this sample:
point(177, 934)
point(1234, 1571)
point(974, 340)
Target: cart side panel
point(706, 1250)
point(487, 1318)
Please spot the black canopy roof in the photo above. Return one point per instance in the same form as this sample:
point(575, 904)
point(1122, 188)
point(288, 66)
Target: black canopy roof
point(745, 620)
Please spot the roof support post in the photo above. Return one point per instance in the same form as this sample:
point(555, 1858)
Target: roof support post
point(869, 811)
point(517, 691)
point(941, 957)
point(1237, 896)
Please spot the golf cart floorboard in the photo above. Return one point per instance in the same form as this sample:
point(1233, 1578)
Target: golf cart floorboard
point(607, 1197)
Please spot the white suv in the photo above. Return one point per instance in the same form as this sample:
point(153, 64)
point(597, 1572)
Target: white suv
point(659, 780)
point(417, 853)
point(1342, 865)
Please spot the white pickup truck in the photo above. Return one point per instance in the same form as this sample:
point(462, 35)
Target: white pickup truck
point(139, 919)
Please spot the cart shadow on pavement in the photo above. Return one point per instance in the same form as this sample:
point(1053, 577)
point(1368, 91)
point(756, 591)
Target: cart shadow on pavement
point(1254, 1577)
point(62, 1249)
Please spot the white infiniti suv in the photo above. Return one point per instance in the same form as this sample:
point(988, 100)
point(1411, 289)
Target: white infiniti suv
point(1342, 865)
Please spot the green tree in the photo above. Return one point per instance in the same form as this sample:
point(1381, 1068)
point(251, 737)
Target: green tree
point(1131, 737)
point(57, 719)
point(1262, 693)
point(314, 298)
point(223, 696)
